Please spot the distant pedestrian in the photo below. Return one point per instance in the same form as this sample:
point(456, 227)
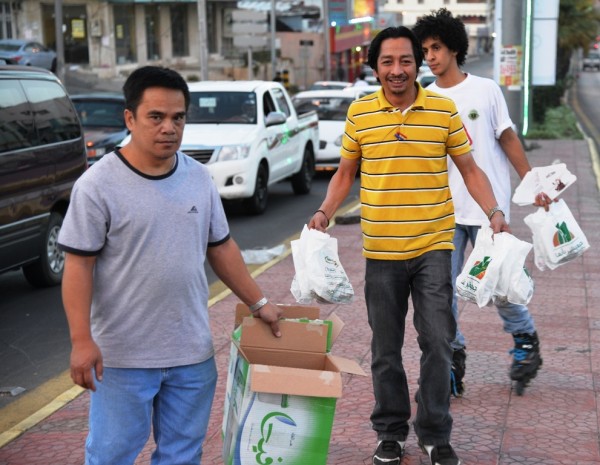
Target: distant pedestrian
point(141, 223)
point(278, 77)
point(361, 81)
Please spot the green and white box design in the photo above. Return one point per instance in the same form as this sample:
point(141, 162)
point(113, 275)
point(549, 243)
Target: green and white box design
point(265, 428)
point(281, 393)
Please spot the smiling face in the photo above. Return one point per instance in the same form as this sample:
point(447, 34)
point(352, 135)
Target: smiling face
point(156, 127)
point(397, 70)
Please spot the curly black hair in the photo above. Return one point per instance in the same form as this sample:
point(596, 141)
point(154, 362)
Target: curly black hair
point(394, 33)
point(449, 30)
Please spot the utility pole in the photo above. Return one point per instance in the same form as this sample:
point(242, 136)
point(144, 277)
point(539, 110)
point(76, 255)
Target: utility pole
point(273, 39)
point(511, 20)
point(327, 41)
point(60, 43)
point(203, 40)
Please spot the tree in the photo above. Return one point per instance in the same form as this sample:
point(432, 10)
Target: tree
point(578, 26)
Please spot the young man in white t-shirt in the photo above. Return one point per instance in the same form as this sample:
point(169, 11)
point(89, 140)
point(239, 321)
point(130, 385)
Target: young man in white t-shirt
point(495, 146)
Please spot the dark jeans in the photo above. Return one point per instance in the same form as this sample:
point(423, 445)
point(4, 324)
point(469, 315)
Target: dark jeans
point(389, 283)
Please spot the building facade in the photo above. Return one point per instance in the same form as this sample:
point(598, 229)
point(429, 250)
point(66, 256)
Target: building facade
point(477, 15)
point(112, 37)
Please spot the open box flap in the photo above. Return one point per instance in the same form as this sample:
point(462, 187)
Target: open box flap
point(295, 336)
point(337, 326)
point(346, 365)
point(289, 311)
point(295, 381)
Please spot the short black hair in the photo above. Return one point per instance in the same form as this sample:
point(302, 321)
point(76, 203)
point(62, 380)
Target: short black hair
point(152, 76)
point(394, 33)
point(451, 31)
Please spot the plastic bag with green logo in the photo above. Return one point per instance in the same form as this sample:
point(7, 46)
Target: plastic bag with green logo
point(557, 238)
point(481, 272)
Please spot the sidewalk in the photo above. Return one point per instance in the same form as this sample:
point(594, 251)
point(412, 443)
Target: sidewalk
point(556, 421)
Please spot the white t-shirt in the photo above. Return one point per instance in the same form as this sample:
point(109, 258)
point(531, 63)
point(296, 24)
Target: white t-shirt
point(484, 113)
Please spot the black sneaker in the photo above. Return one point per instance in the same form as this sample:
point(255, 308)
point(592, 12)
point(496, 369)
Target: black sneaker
point(459, 366)
point(441, 455)
point(388, 453)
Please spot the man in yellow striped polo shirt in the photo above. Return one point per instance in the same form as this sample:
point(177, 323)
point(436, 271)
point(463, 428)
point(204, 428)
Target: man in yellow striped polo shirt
point(400, 137)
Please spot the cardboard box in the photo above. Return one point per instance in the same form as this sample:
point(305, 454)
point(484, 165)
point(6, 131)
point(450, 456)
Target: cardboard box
point(281, 392)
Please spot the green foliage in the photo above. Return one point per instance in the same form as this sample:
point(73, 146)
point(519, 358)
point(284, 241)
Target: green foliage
point(545, 97)
point(578, 25)
point(559, 123)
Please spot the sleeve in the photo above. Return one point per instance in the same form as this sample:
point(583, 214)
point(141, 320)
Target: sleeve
point(499, 115)
point(350, 146)
point(86, 223)
point(219, 228)
point(458, 141)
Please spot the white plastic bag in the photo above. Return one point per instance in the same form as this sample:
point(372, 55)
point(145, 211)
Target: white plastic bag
point(557, 238)
point(479, 277)
point(515, 284)
point(319, 273)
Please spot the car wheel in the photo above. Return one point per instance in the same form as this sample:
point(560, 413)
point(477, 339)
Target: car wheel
point(48, 269)
point(302, 180)
point(257, 204)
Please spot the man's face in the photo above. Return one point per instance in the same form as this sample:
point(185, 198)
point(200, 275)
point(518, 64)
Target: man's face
point(157, 126)
point(437, 55)
point(396, 66)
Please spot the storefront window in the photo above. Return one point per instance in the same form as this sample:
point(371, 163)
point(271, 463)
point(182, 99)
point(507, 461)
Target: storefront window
point(179, 30)
point(5, 21)
point(125, 33)
point(75, 39)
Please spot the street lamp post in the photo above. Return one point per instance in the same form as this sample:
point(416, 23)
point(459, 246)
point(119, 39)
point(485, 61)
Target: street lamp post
point(202, 40)
point(273, 39)
point(327, 41)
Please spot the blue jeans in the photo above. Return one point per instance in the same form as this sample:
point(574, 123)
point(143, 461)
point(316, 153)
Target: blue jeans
point(388, 285)
point(516, 318)
point(175, 401)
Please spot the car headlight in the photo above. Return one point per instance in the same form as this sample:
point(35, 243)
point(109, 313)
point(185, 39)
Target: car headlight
point(233, 152)
point(338, 140)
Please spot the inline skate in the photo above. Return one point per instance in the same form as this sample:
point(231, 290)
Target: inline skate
point(526, 360)
point(459, 359)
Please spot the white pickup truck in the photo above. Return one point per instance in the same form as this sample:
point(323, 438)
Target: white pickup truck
point(249, 136)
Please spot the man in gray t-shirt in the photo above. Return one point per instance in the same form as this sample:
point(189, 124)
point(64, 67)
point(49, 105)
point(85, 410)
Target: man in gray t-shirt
point(141, 223)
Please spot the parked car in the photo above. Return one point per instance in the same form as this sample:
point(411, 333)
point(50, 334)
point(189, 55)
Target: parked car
point(324, 85)
point(369, 76)
point(331, 107)
point(27, 53)
point(361, 91)
point(42, 153)
point(250, 137)
point(101, 115)
point(592, 60)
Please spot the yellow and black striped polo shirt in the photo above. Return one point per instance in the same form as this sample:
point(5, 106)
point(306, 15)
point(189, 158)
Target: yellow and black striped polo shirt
point(406, 204)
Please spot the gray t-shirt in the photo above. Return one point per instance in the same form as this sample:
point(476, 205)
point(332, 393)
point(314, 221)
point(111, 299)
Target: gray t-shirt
point(150, 235)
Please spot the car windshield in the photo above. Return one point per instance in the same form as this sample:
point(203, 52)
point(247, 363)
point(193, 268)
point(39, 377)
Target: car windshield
point(9, 47)
point(100, 113)
point(328, 108)
point(215, 107)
